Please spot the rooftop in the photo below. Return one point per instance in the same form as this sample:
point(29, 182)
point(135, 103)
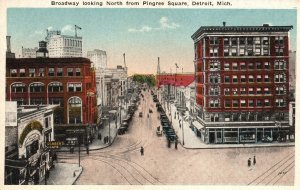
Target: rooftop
point(48, 60)
point(264, 28)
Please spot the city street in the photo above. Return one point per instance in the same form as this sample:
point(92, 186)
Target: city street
point(123, 164)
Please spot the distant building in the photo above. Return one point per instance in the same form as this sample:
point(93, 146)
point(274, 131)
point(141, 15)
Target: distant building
point(29, 52)
point(63, 45)
point(98, 58)
point(9, 54)
point(242, 82)
point(28, 129)
point(292, 71)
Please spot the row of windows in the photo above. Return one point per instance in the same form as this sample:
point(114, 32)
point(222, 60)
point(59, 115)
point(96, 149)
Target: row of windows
point(73, 43)
point(32, 72)
point(214, 91)
point(249, 46)
point(52, 101)
point(52, 87)
point(278, 65)
point(216, 79)
point(246, 117)
point(247, 103)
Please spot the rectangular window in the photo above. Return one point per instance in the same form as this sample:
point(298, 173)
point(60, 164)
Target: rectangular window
point(257, 51)
point(251, 91)
point(226, 66)
point(243, 78)
point(78, 71)
point(279, 51)
point(22, 73)
point(60, 72)
point(258, 91)
point(213, 40)
point(267, 65)
point(234, 66)
point(233, 41)
point(226, 41)
point(234, 79)
point(74, 87)
point(267, 91)
point(234, 91)
point(243, 66)
point(251, 103)
point(279, 40)
point(226, 91)
point(249, 40)
point(250, 78)
point(226, 51)
point(70, 71)
point(235, 103)
point(227, 79)
point(258, 65)
point(279, 103)
point(267, 79)
point(266, 51)
point(31, 72)
point(242, 41)
point(42, 72)
point(242, 51)
point(233, 51)
point(258, 78)
point(243, 91)
point(250, 66)
point(213, 52)
point(265, 40)
point(51, 72)
point(243, 103)
point(267, 102)
point(13, 72)
point(227, 103)
point(259, 103)
point(257, 40)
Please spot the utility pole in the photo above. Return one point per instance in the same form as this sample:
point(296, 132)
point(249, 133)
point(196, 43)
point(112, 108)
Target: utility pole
point(77, 27)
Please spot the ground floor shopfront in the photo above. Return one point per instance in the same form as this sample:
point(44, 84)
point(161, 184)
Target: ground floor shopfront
point(241, 135)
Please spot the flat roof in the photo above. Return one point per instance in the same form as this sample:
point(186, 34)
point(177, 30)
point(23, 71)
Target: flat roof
point(265, 28)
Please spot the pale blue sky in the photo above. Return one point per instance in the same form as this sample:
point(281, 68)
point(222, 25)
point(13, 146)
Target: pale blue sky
point(143, 34)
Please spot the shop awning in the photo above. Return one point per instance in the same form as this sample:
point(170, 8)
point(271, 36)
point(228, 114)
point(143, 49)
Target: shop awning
point(197, 125)
point(15, 163)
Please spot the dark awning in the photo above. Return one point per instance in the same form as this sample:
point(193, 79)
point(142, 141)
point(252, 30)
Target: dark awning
point(15, 163)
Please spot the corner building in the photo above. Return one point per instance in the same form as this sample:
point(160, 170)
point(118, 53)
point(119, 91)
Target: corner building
point(242, 83)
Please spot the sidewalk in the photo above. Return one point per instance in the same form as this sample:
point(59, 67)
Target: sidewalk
point(191, 141)
point(97, 143)
point(63, 174)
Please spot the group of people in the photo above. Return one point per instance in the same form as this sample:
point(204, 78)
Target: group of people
point(249, 161)
point(105, 139)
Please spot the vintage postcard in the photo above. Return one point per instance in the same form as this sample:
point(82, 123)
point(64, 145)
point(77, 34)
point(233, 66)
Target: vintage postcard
point(149, 94)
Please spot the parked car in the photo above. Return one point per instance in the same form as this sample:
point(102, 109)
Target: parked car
point(122, 130)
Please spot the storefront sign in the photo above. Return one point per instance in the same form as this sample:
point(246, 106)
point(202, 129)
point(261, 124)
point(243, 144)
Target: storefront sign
point(54, 144)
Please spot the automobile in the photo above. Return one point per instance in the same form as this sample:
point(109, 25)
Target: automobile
point(158, 131)
point(122, 130)
point(150, 111)
point(141, 114)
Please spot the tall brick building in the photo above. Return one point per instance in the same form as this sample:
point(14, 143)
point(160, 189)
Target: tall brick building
point(69, 82)
point(242, 83)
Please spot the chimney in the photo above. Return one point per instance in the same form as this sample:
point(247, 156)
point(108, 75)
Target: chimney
point(8, 44)
point(224, 24)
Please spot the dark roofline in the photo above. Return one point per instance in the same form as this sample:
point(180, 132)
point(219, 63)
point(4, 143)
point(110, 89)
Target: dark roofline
point(212, 29)
point(49, 60)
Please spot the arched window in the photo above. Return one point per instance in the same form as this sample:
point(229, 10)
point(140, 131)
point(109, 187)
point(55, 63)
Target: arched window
point(75, 110)
point(18, 87)
point(55, 87)
point(37, 87)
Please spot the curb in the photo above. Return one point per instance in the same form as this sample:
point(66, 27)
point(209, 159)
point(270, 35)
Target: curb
point(78, 175)
point(93, 149)
point(255, 146)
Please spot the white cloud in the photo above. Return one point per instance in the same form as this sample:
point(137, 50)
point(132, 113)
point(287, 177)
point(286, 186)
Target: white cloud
point(142, 29)
point(67, 28)
point(164, 24)
point(50, 28)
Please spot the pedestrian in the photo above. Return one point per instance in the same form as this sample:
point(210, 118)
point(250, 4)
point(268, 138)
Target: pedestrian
point(87, 150)
point(169, 143)
point(254, 160)
point(142, 151)
point(176, 142)
point(249, 162)
point(105, 140)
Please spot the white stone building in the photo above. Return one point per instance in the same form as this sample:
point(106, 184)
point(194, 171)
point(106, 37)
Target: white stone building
point(29, 52)
point(98, 57)
point(65, 46)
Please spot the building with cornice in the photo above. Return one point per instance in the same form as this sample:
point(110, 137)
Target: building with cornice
point(242, 83)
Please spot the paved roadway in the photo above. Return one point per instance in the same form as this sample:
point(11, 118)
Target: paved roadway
point(122, 163)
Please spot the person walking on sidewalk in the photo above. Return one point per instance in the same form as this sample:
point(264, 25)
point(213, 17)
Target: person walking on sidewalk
point(99, 136)
point(249, 162)
point(254, 160)
point(142, 151)
point(176, 143)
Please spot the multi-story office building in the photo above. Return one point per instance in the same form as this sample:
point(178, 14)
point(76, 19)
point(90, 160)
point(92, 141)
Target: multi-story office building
point(29, 52)
point(242, 83)
point(98, 58)
point(64, 45)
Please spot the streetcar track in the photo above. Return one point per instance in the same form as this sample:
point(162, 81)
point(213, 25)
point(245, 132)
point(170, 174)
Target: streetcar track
point(271, 170)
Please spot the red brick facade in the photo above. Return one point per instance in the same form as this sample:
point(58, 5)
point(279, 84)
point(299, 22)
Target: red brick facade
point(64, 81)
